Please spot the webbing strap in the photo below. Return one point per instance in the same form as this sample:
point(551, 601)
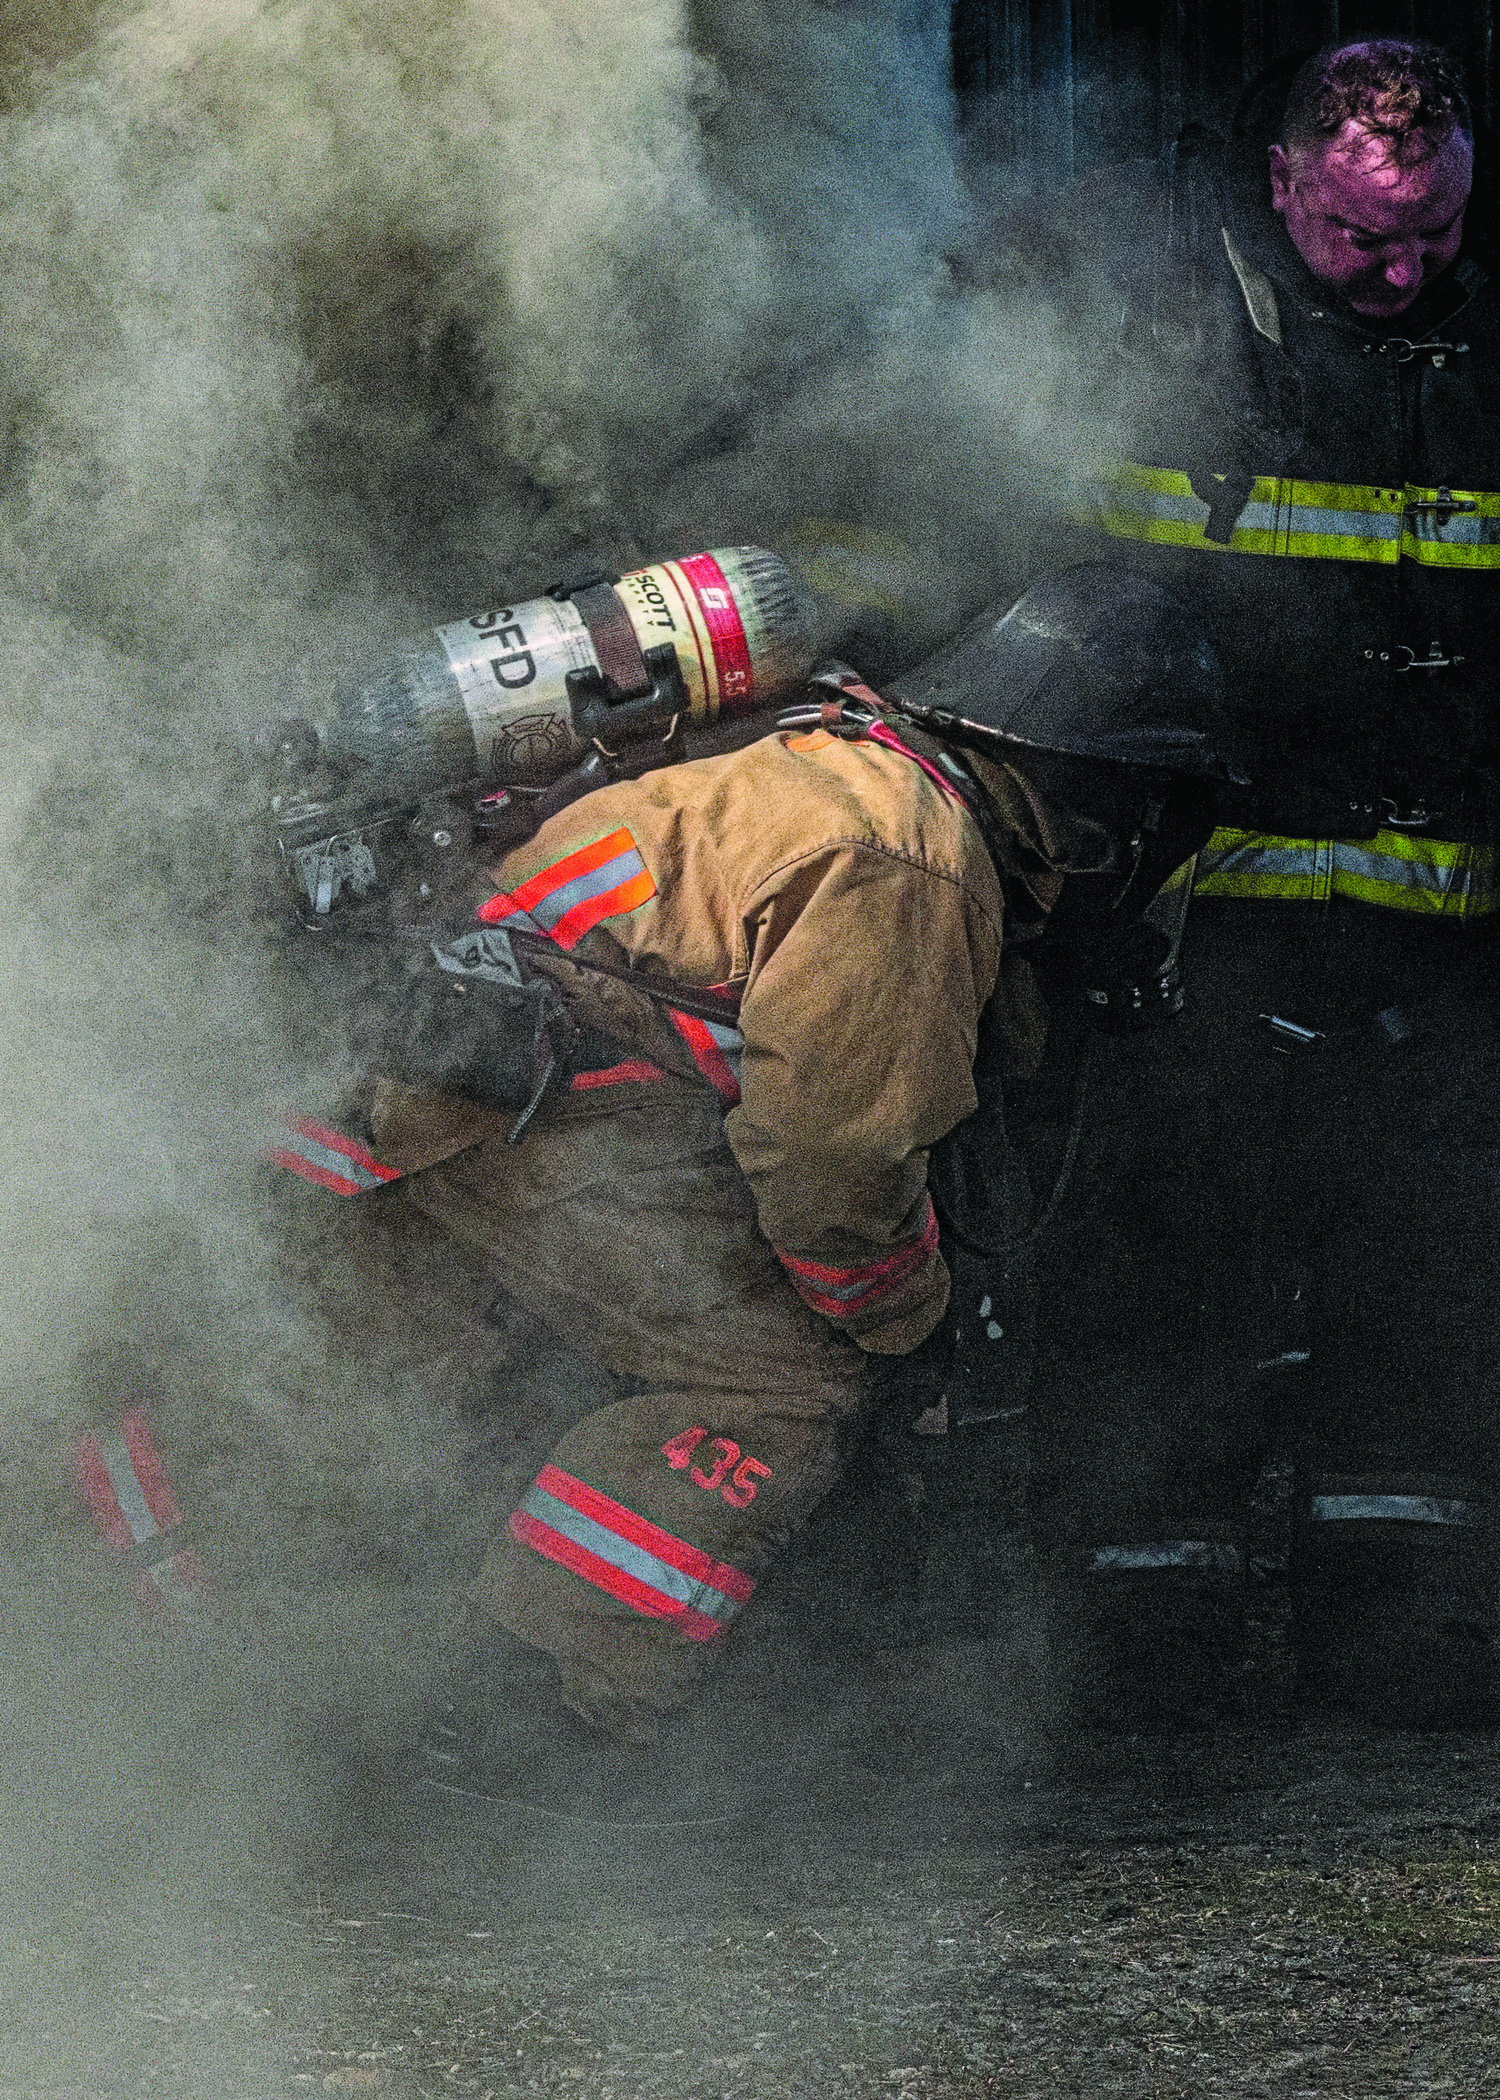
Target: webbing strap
point(1393, 869)
point(614, 639)
point(1312, 520)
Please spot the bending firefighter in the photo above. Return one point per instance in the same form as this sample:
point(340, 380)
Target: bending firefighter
point(776, 964)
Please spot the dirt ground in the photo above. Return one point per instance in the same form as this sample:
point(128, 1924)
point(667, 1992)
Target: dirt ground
point(191, 1910)
point(1164, 1918)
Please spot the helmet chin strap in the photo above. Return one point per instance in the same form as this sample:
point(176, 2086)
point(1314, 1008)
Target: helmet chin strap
point(1137, 851)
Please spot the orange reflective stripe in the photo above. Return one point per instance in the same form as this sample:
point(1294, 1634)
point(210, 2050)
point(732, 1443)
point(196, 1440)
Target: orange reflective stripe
point(571, 896)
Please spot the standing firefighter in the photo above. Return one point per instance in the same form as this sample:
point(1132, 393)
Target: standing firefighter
point(778, 966)
point(1302, 1289)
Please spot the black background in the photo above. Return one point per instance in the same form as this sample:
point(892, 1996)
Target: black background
point(1070, 81)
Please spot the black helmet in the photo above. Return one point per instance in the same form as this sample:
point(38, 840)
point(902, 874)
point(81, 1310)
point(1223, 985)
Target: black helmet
point(1097, 662)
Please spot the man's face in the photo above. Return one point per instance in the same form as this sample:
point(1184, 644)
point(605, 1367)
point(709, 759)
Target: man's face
point(1368, 227)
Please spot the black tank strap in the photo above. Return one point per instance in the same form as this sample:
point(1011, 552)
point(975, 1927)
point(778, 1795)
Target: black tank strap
point(685, 998)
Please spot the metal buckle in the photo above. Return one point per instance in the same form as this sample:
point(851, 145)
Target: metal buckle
point(1444, 505)
point(1406, 350)
point(1415, 819)
point(1434, 660)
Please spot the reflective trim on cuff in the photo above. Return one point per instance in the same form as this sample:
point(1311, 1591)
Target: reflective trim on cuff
point(842, 1290)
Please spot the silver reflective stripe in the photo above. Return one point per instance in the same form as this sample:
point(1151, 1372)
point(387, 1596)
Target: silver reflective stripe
point(1392, 869)
point(1390, 1509)
point(1307, 517)
point(1258, 516)
point(1299, 860)
point(127, 1489)
point(1159, 503)
point(630, 1559)
point(1386, 867)
point(1167, 1553)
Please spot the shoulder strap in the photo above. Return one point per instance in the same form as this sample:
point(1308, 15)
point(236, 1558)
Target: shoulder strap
point(859, 711)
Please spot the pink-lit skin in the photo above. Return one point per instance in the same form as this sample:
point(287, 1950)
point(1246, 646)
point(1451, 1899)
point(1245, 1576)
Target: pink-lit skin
point(1368, 227)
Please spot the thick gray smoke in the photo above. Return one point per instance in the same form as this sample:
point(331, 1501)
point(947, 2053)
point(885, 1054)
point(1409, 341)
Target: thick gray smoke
point(320, 319)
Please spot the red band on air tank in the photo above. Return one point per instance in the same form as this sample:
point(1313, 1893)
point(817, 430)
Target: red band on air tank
point(726, 631)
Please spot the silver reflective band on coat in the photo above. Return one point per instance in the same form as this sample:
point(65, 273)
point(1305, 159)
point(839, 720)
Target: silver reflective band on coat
point(1207, 1554)
point(1390, 1509)
point(1404, 873)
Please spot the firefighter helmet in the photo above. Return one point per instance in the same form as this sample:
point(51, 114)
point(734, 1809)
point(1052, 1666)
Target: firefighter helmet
point(1097, 662)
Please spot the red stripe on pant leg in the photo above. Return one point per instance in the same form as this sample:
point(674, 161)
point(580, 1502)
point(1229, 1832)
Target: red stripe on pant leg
point(651, 1604)
point(147, 1466)
point(640, 1531)
point(93, 1477)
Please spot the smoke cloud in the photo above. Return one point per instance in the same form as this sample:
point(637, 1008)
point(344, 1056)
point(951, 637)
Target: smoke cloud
point(321, 318)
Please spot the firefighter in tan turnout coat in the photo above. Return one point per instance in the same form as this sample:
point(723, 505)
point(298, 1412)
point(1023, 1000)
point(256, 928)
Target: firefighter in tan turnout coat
point(728, 1206)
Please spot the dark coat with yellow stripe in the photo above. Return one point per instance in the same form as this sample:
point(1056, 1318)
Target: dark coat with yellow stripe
point(1248, 369)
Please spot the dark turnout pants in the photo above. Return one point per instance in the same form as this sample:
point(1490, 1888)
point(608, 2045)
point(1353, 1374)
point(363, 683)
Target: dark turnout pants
point(631, 1231)
point(1281, 1241)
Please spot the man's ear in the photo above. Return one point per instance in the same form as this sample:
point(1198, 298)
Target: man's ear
point(1281, 177)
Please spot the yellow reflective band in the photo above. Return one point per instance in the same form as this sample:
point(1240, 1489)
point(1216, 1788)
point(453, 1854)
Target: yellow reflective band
point(1393, 869)
point(854, 565)
point(1311, 520)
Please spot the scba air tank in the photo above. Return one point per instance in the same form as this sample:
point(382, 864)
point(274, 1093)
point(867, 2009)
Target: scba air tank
point(517, 693)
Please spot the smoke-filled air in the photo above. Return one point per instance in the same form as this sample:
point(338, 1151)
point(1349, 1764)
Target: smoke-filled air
point(323, 321)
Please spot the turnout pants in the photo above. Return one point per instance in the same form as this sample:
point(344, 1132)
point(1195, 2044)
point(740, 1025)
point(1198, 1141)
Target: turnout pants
point(631, 1230)
point(1289, 1238)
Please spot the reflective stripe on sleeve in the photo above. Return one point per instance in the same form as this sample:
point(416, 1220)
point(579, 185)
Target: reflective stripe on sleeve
point(329, 1159)
point(569, 898)
point(1389, 1509)
point(1393, 869)
point(623, 1554)
point(716, 1049)
point(1310, 520)
point(842, 1290)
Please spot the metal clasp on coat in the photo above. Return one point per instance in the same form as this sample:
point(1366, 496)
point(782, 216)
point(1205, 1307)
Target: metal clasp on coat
point(1414, 819)
point(1434, 660)
point(1404, 350)
point(1288, 1036)
point(1444, 505)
